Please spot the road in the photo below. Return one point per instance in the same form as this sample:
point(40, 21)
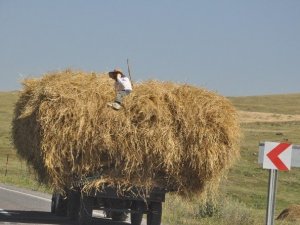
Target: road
point(22, 206)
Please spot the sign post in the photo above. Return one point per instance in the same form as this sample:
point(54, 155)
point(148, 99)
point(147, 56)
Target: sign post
point(273, 176)
point(275, 156)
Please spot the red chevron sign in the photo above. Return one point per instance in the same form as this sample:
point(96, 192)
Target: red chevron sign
point(277, 156)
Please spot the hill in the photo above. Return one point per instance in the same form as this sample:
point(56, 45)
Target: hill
point(283, 104)
point(265, 118)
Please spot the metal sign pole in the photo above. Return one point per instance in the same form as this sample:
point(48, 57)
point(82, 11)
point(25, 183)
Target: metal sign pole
point(273, 176)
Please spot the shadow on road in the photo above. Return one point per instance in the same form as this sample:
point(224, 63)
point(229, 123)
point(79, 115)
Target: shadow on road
point(40, 218)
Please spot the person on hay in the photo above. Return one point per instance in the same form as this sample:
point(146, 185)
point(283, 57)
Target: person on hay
point(123, 87)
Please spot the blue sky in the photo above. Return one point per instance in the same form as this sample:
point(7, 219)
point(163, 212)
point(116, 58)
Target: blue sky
point(234, 47)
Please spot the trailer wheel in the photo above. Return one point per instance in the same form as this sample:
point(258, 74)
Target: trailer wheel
point(59, 204)
point(154, 214)
point(137, 217)
point(118, 205)
point(118, 216)
point(86, 210)
point(53, 203)
point(73, 204)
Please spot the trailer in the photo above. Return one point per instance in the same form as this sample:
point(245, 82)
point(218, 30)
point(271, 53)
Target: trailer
point(79, 205)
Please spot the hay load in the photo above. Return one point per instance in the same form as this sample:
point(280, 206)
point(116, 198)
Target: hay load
point(174, 136)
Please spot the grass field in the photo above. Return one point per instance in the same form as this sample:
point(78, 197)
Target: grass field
point(286, 104)
point(12, 169)
point(243, 195)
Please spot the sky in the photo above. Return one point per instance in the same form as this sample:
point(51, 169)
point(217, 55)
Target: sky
point(232, 47)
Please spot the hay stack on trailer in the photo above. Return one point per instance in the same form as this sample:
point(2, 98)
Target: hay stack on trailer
point(169, 135)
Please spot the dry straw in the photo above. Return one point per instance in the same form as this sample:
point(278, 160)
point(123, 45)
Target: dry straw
point(174, 136)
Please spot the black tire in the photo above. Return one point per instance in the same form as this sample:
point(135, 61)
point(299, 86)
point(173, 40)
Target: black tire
point(136, 217)
point(154, 214)
point(53, 203)
point(60, 205)
point(73, 204)
point(118, 205)
point(107, 213)
point(118, 216)
point(86, 210)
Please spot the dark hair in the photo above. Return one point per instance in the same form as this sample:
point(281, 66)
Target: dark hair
point(112, 75)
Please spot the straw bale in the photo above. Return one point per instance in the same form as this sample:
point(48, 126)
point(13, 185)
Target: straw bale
point(169, 135)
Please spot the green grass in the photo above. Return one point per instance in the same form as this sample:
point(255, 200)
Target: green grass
point(13, 170)
point(244, 193)
point(7, 101)
point(248, 181)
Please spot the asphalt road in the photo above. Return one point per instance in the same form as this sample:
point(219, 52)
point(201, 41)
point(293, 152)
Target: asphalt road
point(22, 206)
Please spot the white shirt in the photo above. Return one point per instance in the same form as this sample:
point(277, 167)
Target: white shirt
point(123, 83)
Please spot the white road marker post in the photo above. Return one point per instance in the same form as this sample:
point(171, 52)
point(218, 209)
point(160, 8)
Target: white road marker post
point(273, 177)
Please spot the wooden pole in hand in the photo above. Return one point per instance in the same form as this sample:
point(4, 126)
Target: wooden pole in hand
point(129, 74)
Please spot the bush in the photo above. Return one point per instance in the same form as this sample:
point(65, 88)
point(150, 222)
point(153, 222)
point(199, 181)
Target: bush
point(233, 212)
point(193, 212)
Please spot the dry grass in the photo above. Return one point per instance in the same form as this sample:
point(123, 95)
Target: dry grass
point(225, 211)
point(175, 136)
point(251, 117)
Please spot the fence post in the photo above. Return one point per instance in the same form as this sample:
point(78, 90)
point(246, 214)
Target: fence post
point(6, 164)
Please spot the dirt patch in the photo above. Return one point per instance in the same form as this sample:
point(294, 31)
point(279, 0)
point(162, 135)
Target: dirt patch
point(251, 117)
point(291, 214)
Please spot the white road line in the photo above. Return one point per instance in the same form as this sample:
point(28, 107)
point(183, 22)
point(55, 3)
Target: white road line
point(23, 193)
point(2, 211)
